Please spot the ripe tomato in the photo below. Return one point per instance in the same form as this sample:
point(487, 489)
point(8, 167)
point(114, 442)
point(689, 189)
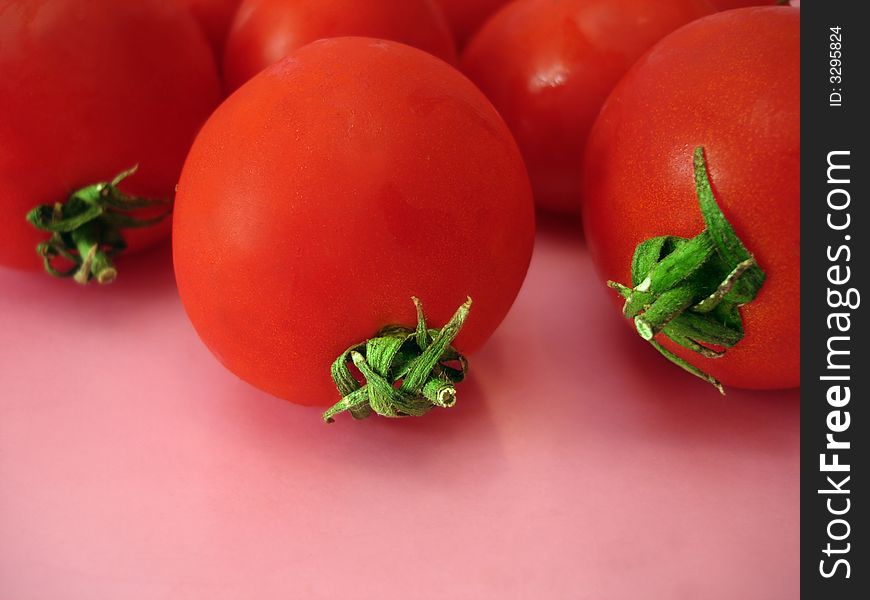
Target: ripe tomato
point(729, 4)
point(266, 31)
point(329, 190)
point(89, 88)
point(465, 17)
point(701, 87)
point(215, 18)
point(548, 66)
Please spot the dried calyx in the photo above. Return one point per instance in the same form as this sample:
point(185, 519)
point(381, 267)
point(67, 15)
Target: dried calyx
point(86, 230)
point(691, 290)
point(407, 371)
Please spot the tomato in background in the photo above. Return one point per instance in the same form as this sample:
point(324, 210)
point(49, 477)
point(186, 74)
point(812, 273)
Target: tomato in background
point(266, 31)
point(465, 17)
point(700, 86)
point(548, 65)
point(729, 4)
point(329, 190)
point(88, 89)
point(215, 18)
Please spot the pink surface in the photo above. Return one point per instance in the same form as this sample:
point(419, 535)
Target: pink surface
point(578, 463)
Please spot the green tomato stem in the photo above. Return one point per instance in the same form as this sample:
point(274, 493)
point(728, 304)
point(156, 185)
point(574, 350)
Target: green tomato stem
point(407, 371)
point(690, 290)
point(86, 230)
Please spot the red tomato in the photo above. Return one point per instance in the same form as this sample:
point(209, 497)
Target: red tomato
point(548, 66)
point(701, 87)
point(729, 4)
point(215, 18)
point(265, 31)
point(329, 190)
point(466, 16)
point(89, 88)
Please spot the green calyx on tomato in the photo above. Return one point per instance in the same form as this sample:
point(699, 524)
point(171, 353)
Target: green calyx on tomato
point(407, 371)
point(86, 229)
point(691, 290)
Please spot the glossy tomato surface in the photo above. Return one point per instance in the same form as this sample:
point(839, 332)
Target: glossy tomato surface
point(265, 31)
point(329, 190)
point(89, 88)
point(731, 83)
point(466, 17)
point(548, 66)
point(215, 17)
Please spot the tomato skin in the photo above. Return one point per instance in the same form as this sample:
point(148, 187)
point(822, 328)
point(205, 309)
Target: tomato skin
point(548, 66)
point(466, 17)
point(729, 4)
point(85, 93)
point(266, 31)
point(702, 86)
point(329, 190)
point(215, 18)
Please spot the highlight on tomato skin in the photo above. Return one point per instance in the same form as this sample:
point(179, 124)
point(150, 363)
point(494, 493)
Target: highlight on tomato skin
point(332, 188)
point(548, 66)
point(101, 99)
point(265, 31)
point(744, 109)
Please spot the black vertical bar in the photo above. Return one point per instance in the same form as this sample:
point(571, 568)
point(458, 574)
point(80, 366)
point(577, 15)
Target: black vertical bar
point(835, 226)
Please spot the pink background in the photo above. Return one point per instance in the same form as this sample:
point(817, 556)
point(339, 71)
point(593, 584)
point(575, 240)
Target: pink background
point(577, 464)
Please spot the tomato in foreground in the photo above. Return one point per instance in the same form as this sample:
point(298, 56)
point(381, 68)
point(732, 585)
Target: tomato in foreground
point(88, 90)
point(265, 31)
point(215, 18)
point(466, 17)
point(329, 191)
point(701, 87)
point(548, 66)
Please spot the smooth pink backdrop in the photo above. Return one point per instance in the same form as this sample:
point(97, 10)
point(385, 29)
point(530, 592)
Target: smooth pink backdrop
point(577, 464)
